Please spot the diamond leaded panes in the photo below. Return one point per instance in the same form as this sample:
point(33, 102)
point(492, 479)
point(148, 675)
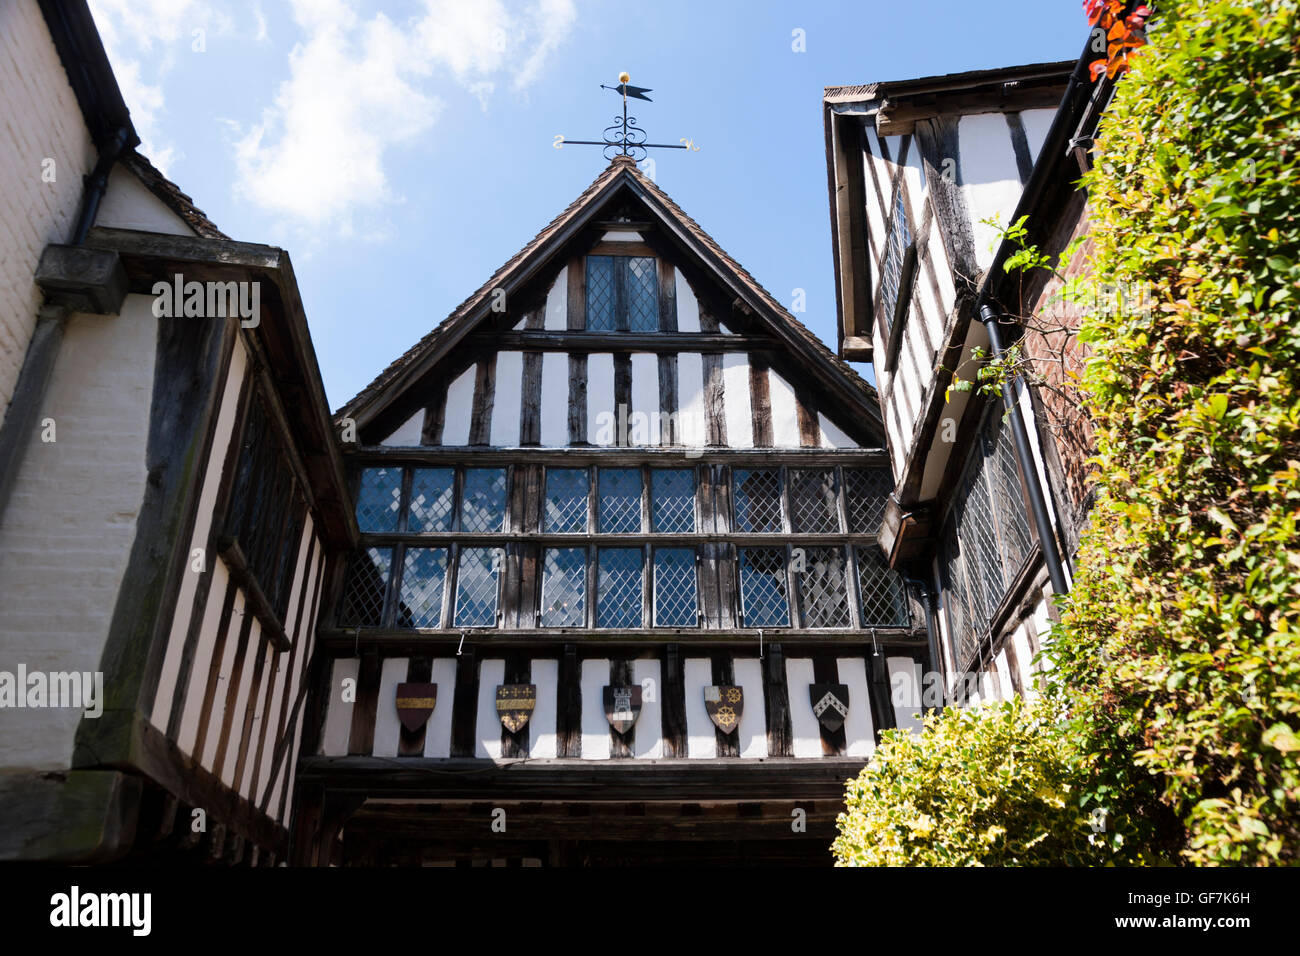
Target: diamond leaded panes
point(672, 500)
point(1008, 504)
point(432, 500)
point(618, 603)
point(424, 572)
point(642, 294)
point(483, 502)
point(866, 490)
point(476, 587)
point(812, 501)
point(564, 587)
point(880, 591)
point(363, 596)
point(620, 500)
point(601, 296)
point(823, 595)
point(675, 595)
point(900, 237)
point(567, 490)
point(757, 498)
point(378, 499)
point(763, 599)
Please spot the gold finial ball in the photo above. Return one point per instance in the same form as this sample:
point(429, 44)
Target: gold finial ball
point(623, 77)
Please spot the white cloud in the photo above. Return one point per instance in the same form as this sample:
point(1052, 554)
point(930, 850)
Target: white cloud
point(358, 88)
point(141, 38)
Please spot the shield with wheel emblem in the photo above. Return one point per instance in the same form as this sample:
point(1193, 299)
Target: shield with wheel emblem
point(724, 705)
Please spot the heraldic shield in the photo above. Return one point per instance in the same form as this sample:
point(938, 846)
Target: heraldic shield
point(415, 702)
point(622, 707)
point(515, 704)
point(724, 706)
point(830, 704)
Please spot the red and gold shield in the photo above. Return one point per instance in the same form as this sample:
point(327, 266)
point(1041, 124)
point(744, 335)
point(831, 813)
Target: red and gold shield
point(724, 705)
point(415, 702)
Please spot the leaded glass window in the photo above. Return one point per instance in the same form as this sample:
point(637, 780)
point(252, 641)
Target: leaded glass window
point(880, 591)
point(432, 500)
point(379, 499)
point(813, 508)
point(620, 500)
point(483, 501)
point(900, 237)
point(672, 500)
point(676, 599)
point(757, 498)
point(367, 584)
point(564, 587)
point(823, 595)
point(985, 539)
point(642, 294)
point(601, 294)
point(476, 587)
point(618, 602)
point(424, 573)
point(622, 294)
point(567, 491)
point(866, 491)
point(763, 599)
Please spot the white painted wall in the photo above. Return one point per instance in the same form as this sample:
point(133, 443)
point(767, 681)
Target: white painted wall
point(649, 728)
point(859, 734)
point(487, 729)
point(437, 732)
point(67, 534)
point(688, 307)
point(338, 712)
point(543, 737)
point(701, 737)
point(805, 730)
point(600, 399)
point(388, 726)
point(408, 433)
point(595, 726)
point(990, 177)
point(506, 400)
point(748, 675)
point(459, 409)
point(556, 318)
point(735, 400)
point(554, 413)
point(128, 204)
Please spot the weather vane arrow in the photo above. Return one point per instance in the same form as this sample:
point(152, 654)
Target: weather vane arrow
point(624, 136)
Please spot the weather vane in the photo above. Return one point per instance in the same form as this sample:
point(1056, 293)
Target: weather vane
point(624, 137)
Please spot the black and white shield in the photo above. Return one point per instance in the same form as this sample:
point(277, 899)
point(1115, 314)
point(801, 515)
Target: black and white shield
point(724, 705)
point(622, 707)
point(515, 705)
point(415, 702)
point(830, 704)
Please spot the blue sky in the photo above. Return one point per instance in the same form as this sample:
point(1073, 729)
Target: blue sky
point(401, 151)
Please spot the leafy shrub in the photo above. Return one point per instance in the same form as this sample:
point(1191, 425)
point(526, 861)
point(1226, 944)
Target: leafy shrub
point(1177, 662)
point(1179, 641)
point(994, 786)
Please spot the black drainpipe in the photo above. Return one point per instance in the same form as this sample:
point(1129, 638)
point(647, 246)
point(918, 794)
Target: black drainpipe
point(38, 364)
point(1037, 503)
point(97, 184)
point(931, 634)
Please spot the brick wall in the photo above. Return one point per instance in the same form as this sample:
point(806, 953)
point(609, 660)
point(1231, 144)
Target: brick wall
point(39, 119)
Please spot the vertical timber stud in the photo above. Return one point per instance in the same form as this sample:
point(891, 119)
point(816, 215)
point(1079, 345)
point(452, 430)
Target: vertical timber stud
point(569, 715)
point(465, 705)
point(673, 695)
point(778, 702)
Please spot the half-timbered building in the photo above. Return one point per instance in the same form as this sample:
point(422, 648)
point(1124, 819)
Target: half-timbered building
point(990, 492)
point(171, 490)
point(619, 474)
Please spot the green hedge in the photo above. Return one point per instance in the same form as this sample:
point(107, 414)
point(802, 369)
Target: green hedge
point(1177, 664)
